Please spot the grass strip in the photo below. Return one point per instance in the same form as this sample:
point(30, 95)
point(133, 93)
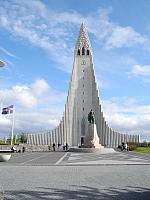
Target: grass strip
point(143, 150)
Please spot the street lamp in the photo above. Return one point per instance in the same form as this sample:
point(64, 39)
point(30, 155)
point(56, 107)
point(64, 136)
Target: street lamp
point(2, 64)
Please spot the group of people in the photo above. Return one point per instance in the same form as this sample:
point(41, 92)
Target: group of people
point(14, 150)
point(124, 146)
point(65, 147)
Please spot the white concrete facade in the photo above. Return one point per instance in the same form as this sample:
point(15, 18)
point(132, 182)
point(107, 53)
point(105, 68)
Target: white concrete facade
point(83, 96)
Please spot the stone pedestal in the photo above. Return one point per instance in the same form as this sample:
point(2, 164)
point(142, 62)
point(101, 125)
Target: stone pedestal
point(91, 139)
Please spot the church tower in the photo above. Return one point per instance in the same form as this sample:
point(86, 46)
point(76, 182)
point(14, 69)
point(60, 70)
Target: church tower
point(83, 92)
point(82, 97)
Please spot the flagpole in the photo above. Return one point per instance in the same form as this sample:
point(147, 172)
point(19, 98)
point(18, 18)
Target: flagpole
point(13, 122)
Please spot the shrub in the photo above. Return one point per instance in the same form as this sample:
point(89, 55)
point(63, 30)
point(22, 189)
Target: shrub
point(132, 145)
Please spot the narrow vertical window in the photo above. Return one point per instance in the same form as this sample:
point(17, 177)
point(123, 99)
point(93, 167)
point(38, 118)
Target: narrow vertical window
point(83, 51)
point(88, 52)
point(78, 52)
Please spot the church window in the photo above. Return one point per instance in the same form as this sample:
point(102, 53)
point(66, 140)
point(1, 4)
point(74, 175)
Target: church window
point(83, 51)
point(88, 52)
point(83, 109)
point(83, 100)
point(83, 93)
point(78, 52)
point(83, 70)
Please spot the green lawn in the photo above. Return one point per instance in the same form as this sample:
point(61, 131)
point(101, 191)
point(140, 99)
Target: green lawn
point(143, 149)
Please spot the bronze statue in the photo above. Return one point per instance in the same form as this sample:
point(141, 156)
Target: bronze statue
point(91, 117)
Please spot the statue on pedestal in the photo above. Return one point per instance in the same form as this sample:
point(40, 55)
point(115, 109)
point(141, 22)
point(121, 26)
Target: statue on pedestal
point(91, 117)
point(91, 137)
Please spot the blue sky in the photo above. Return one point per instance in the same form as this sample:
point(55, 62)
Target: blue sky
point(37, 41)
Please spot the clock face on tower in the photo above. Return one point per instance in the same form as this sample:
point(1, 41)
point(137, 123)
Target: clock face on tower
point(83, 62)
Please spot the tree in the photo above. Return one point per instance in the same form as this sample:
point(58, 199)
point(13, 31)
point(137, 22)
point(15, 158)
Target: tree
point(8, 141)
point(23, 137)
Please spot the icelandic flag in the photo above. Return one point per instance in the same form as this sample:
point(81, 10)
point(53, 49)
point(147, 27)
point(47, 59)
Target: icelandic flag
point(8, 110)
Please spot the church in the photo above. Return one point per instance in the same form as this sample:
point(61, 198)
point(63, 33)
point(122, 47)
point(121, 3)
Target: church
point(83, 95)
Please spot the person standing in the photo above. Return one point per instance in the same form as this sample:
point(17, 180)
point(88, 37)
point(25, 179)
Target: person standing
point(66, 147)
point(23, 149)
point(126, 147)
point(53, 146)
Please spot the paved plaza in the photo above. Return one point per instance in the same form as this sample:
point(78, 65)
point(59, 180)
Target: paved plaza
point(67, 175)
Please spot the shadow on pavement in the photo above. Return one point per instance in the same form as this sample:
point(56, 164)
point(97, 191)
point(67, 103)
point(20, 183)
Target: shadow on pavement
point(81, 193)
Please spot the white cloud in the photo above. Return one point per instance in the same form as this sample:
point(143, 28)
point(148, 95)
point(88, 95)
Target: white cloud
point(36, 121)
point(146, 80)
point(38, 107)
point(29, 96)
point(4, 121)
point(125, 105)
point(21, 95)
point(24, 96)
point(127, 115)
point(5, 51)
point(111, 34)
point(139, 70)
point(53, 31)
point(124, 37)
point(40, 86)
point(123, 122)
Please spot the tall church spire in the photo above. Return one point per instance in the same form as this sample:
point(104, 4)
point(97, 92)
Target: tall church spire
point(83, 40)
